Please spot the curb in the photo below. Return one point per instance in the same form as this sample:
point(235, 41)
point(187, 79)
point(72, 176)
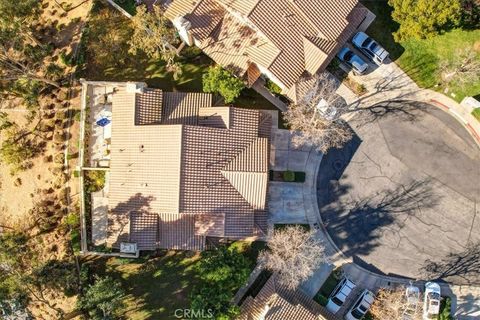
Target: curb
point(475, 135)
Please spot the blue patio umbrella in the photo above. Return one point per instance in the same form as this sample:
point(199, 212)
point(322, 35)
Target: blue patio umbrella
point(103, 122)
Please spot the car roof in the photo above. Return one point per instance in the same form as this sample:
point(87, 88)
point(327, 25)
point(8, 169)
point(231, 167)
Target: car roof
point(359, 37)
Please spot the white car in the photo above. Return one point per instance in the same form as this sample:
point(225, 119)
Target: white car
point(431, 303)
point(370, 47)
point(412, 295)
point(339, 295)
point(361, 306)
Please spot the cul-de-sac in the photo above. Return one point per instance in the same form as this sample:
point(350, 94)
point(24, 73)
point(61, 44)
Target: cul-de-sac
point(240, 159)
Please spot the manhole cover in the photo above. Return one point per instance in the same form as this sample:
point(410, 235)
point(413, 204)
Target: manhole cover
point(338, 164)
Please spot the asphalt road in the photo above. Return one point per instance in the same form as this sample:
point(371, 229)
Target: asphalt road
point(402, 198)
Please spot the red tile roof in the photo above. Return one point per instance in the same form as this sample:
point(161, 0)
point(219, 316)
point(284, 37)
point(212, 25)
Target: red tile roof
point(287, 37)
point(274, 302)
point(181, 171)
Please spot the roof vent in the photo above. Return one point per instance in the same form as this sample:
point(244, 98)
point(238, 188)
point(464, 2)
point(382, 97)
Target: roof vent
point(135, 87)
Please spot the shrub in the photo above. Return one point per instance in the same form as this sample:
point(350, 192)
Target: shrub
point(476, 113)
point(445, 309)
point(219, 80)
point(289, 176)
point(321, 299)
point(273, 87)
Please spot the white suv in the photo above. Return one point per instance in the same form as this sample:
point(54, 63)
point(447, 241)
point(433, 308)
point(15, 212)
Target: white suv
point(339, 295)
point(361, 306)
point(431, 304)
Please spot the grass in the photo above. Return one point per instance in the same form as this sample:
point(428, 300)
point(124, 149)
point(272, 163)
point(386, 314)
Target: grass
point(127, 5)
point(108, 59)
point(421, 59)
point(157, 286)
point(328, 286)
point(445, 309)
point(476, 113)
point(306, 227)
point(75, 240)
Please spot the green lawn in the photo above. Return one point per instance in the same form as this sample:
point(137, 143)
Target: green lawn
point(421, 59)
point(157, 286)
point(128, 5)
point(328, 286)
point(476, 113)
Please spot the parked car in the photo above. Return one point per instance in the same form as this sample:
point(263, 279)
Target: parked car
point(339, 295)
point(412, 295)
point(358, 65)
point(361, 306)
point(431, 303)
point(370, 47)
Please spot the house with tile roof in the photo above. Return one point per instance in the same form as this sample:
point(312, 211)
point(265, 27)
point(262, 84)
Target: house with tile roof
point(275, 302)
point(183, 171)
point(283, 40)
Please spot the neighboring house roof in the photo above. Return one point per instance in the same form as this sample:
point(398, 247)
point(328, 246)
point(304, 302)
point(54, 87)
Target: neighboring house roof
point(287, 37)
point(275, 302)
point(182, 170)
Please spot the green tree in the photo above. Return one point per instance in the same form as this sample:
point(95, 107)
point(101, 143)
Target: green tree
point(222, 273)
point(153, 34)
point(219, 80)
point(5, 123)
point(14, 253)
point(16, 12)
point(421, 19)
point(103, 299)
point(17, 150)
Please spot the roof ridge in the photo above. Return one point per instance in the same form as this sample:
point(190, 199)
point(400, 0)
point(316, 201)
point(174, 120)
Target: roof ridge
point(249, 158)
point(247, 184)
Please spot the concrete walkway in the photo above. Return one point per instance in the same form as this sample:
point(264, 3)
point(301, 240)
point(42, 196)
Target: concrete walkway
point(260, 88)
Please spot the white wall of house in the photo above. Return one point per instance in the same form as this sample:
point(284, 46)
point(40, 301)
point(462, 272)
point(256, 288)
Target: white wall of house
point(183, 26)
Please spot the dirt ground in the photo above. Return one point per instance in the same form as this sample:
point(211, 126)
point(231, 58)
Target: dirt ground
point(60, 26)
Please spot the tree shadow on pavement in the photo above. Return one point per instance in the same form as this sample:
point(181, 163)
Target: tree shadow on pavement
point(356, 225)
point(460, 267)
point(403, 110)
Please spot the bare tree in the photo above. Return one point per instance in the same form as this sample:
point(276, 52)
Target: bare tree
point(394, 305)
point(316, 118)
point(294, 254)
point(464, 69)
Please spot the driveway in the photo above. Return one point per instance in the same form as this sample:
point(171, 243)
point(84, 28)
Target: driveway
point(286, 199)
point(402, 197)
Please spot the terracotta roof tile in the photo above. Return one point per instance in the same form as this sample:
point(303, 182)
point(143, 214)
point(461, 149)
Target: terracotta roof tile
point(274, 302)
point(272, 33)
point(174, 171)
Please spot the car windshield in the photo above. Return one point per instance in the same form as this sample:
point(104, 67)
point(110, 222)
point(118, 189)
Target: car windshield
point(434, 295)
point(348, 56)
point(366, 42)
point(362, 307)
point(337, 301)
point(357, 314)
point(373, 45)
